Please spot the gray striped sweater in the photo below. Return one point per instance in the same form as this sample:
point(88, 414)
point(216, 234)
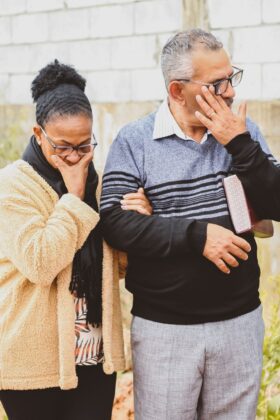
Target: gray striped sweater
point(170, 279)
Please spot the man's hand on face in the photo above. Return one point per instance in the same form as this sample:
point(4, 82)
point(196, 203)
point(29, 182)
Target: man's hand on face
point(219, 118)
point(222, 247)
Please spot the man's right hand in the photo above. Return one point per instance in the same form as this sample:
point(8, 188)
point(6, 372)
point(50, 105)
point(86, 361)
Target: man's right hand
point(223, 246)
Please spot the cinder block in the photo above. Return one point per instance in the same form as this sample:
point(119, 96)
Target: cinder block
point(5, 30)
point(256, 45)
point(271, 81)
point(134, 52)
point(108, 86)
point(158, 16)
point(70, 24)
point(11, 7)
point(271, 11)
point(225, 37)
point(163, 38)
point(110, 21)
point(41, 5)
point(86, 3)
point(91, 55)
point(19, 89)
point(43, 54)
point(250, 86)
point(227, 13)
point(23, 28)
point(15, 59)
point(147, 85)
point(4, 88)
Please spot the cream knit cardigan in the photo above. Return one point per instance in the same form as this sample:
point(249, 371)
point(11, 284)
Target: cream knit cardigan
point(39, 236)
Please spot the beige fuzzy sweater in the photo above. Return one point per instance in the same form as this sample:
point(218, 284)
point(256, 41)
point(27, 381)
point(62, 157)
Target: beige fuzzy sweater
point(39, 236)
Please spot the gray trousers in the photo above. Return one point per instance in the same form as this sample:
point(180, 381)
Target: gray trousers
point(206, 371)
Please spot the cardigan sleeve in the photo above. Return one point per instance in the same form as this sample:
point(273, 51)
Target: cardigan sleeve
point(41, 243)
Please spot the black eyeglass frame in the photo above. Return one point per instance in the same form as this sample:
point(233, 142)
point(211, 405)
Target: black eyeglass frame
point(70, 148)
point(218, 83)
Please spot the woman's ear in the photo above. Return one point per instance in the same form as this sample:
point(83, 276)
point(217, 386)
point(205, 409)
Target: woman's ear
point(176, 92)
point(37, 133)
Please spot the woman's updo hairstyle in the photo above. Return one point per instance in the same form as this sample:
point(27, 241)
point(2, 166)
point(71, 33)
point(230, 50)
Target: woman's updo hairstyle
point(58, 90)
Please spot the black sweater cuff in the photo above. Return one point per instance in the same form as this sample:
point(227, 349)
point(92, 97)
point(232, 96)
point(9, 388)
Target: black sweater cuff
point(198, 236)
point(246, 152)
point(240, 144)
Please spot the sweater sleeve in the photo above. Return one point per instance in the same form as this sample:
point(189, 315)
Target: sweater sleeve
point(41, 243)
point(128, 231)
point(259, 173)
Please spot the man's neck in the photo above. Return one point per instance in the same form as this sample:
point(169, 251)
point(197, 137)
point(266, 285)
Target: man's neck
point(188, 123)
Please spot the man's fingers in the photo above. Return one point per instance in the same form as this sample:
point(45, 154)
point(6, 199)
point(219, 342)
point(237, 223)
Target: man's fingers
point(211, 99)
point(222, 266)
point(241, 243)
point(205, 121)
point(238, 252)
point(208, 111)
point(242, 110)
point(230, 260)
point(222, 103)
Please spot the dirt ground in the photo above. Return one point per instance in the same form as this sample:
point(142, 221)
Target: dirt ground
point(123, 405)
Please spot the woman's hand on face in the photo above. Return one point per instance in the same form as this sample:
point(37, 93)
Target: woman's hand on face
point(219, 118)
point(74, 176)
point(137, 202)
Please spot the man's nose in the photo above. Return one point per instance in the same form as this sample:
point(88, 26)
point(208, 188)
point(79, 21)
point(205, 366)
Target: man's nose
point(230, 92)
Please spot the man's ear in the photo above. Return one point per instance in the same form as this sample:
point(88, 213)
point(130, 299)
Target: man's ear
point(37, 133)
point(176, 92)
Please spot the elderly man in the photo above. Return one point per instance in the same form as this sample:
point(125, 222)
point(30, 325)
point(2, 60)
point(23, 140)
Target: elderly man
point(197, 329)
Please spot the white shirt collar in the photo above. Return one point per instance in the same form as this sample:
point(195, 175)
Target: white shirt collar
point(166, 125)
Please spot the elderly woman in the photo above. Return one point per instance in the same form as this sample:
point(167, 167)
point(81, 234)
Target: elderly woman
point(60, 324)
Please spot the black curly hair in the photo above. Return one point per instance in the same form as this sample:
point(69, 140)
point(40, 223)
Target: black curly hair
point(58, 90)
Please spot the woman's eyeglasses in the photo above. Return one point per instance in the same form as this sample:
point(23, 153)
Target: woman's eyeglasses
point(65, 151)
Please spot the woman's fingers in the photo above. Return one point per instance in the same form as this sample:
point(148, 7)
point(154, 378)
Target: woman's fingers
point(58, 162)
point(136, 207)
point(86, 159)
point(137, 201)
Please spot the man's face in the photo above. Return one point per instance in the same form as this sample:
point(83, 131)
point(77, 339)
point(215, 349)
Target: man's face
point(209, 67)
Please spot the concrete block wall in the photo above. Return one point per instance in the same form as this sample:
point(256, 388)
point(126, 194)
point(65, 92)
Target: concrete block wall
point(250, 29)
point(114, 43)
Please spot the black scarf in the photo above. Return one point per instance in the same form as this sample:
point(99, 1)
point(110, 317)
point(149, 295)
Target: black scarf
point(86, 278)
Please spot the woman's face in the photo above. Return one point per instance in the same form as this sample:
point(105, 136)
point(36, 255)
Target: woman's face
point(69, 130)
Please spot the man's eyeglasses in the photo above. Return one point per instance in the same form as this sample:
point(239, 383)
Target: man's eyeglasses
point(65, 151)
point(221, 85)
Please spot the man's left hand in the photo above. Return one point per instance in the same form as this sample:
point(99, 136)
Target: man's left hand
point(219, 118)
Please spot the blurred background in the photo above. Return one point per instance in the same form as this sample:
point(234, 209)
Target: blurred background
point(116, 45)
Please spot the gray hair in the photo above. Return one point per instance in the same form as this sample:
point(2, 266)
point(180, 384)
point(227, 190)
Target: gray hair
point(176, 61)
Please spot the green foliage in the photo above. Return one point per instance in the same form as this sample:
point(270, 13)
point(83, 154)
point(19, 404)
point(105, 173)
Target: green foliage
point(9, 152)
point(269, 397)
